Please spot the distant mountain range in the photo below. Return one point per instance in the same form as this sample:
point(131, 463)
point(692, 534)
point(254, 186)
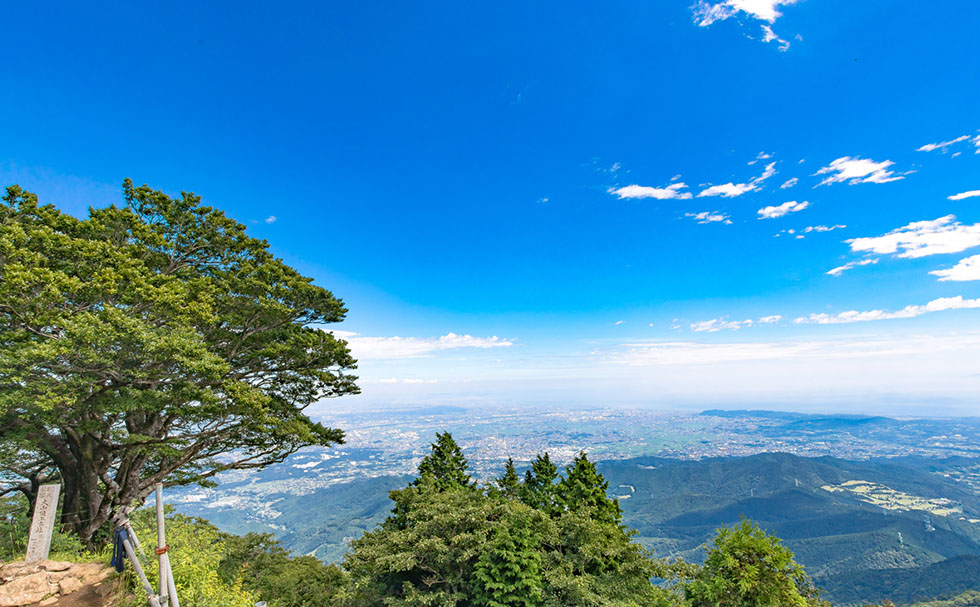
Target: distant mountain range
point(865, 530)
point(841, 518)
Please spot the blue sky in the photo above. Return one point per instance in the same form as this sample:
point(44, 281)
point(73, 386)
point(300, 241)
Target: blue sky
point(741, 203)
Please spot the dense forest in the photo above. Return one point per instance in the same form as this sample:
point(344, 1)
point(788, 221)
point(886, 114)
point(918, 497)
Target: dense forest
point(547, 538)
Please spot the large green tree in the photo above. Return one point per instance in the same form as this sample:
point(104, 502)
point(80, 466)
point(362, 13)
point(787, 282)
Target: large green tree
point(583, 488)
point(747, 567)
point(154, 342)
point(445, 465)
point(458, 546)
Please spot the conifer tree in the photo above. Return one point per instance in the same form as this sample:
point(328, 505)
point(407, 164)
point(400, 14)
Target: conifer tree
point(539, 486)
point(508, 574)
point(445, 467)
point(508, 485)
point(584, 488)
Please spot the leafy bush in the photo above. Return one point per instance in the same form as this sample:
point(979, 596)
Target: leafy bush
point(196, 550)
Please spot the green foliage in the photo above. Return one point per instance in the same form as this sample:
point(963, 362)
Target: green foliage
point(15, 528)
point(508, 573)
point(266, 568)
point(539, 489)
point(509, 483)
point(941, 580)
point(143, 343)
point(196, 551)
point(583, 488)
point(455, 546)
point(215, 568)
point(749, 568)
point(445, 466)
point(970, 598)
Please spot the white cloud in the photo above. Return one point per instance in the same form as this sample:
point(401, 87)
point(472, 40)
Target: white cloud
point(731, 190)
point(415, 347)
point(770, 36)
point(851, 264)
point(967, 269)
point(718, 324)
point(619, 322)
point(936, 305)
point(784, 209)
point(706, 13)
point(858, 170)
point(728, 190)
point(769, 171)
point(942, 146)
point(673, 191)
point(789, 183)
point(922, 238)
point(710, 217)
point(809, 229)
point(760, 156)
point(962, 195)
point(271, 219)
point(678, 354)
point(391, 380)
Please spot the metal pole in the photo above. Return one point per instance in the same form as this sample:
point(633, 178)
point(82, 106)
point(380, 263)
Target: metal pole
point(139, 573)
point(132, 534)
point(162, 549)
point(170, 584)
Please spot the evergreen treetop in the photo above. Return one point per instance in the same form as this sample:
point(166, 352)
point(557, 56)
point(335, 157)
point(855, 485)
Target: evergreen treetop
point(445, 466)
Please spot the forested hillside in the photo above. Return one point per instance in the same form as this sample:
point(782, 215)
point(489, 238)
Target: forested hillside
point(850, 545)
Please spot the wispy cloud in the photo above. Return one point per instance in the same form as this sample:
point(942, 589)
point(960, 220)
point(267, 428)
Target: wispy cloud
point(731, 190)
point(851, 264)
point(854, 170)
point(271, 219)
point(670, 192)
point(936, 305)
point(710, 217)
point(719, 324)
point(789, 183)
point(728, 190)
point(706, 13)
point(963, 195)
point(410, 380)
point(783, 209)
point(922, 238)
point(364, 347)
point(683, 353)
point(943, 146)
point(809, 229)
point(770, 36)
point(760, 156)
point(967, 269)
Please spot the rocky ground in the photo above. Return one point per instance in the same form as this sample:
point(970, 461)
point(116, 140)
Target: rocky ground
point(58, 583)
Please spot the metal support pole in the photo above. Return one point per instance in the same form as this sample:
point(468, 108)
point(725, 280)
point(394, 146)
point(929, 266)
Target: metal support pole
point(162, 549)
point(154, 602)
point(170, 584)
point(132, 535)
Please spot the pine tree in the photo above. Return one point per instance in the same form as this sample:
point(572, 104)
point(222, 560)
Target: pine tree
point(508, 485)
point(539, 489)
point(584, 488)
point(445, 466)
point(509, 573)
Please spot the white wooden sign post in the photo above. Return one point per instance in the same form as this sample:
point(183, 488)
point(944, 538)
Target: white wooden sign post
point(42, 525)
